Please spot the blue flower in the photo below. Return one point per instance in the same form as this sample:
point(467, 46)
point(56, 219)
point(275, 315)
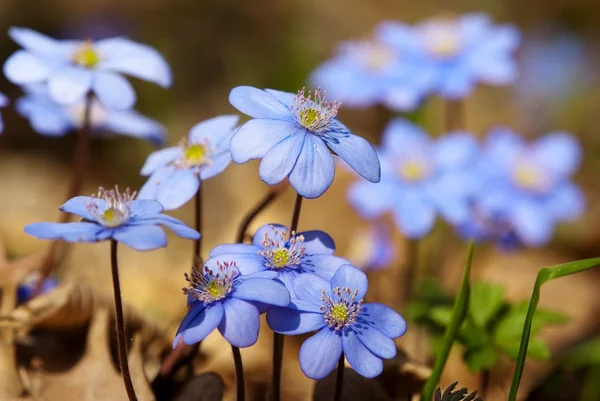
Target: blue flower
point(114, 215)
point(25, 291)
point(373, 249)
point(363, 331)
point(73, 67)
point(457, 53)
point(526, 188)
point(220, 296)
point(176, 172)
point(52, 119)
point(3, 103)
point(366, 72)
point(309, 251)
point(420, 178)
point(294, 134)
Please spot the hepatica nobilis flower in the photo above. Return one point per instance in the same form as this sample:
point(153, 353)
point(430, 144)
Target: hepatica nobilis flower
point(293, 134)
point(457, 53)
point(52, 119)
point(420, 179)
point(372, 249)
point(221, 297)
point(72, 68)
point(525, 189)
point(271, 250)
point(114, 215)
point(3, 103)
point(363, 331)
point(176, 172)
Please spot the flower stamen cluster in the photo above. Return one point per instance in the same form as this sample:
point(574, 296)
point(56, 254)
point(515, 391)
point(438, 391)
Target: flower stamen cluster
point(194, 155)
point(86, 55)
point(312, 111)
point(277, 254)
point(117, 206)
point(413, 170)
point(443, 38)
point(342, 310)
point(530, 177)
point(208, 286)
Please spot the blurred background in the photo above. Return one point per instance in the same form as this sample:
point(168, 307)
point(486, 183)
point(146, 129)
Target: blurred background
point(214, 45)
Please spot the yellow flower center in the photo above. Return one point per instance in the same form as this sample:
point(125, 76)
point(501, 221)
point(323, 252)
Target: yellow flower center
point(378, 57)
point(112, 217)
point(308, 116)
point(195, 153)
point(443, 38)
point(216, 290)
point(86, 56)
point(281, 257)
point(339, 313)
point(413, 170)
point(528, 177)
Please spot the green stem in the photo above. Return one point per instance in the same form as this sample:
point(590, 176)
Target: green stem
point(197, 256)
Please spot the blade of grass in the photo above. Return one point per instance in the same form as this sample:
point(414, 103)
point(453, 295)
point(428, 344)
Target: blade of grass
point(459, 312)
point(544, 275)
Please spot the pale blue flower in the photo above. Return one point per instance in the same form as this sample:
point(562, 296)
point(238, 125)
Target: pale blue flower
point(372, 249)
point(3, 103)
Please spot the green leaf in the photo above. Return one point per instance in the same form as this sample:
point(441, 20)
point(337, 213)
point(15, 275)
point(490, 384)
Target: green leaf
point(441, 315)
point(583, 355)
point(473, 336)
point(538, 349)
point(480, 358)
point(544, 275)
point(459, 313)
point(486, 301)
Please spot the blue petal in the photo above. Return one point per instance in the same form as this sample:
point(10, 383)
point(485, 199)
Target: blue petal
point(354, 150)
point(455, 150)
point(241, 323)
point(567, 202)
point(293, 322)
point(281, 158)
point(4, 100)
point(201, 324)
point(135, 59)
point(269, 230)
point(262, 290)
point(558, 152)
point(134, 124)
point(141, 207)
point(218, 164)
point(286, 98)
point(25, 68)
point(400, 134)
point(258, 104)
point(69, 84)
point(196, 309)
point(217, 131)
point(70, 232)
point(375, 341)
point(309, 287)
point(141, 238)
point(247, 263)
point(492, 62)
point(323, 265)
point(314, 169)
point(78, 206)
point(234, 248)
point(35, 42)
point(319, 354)
point(160, 158)
point(531, 223)
point(360, 358)
point(177, 226)
point(384, 318)
point(318, 242)
point(414, 214)
point(287, 277)
point(178, 189)
point(256, 137)
point(113, 90)
point(372, 200)
point(351, 277)
point(151, 188)
point(45, 116)
point(502, 146)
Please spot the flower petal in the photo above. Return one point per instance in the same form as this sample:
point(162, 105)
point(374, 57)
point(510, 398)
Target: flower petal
point(141, 207)
point(78, 206)
point(559, 152)
point(150, 189)
point(217, 131)
point(281, 158)
point(351, 277)
point(70, 232)
point(532, 224)
point(35, 42)
point(414, 213)
point(318, 243)
point(202, 324)
point(271, 230)
point(69, 84)
point(258, 104)
point(372, 200)
point(319, 354)
point(286, 98)
point(567, 202)
point(384, 318)
point(309, 287)
point(160, 158)
point(141, 238)
point(113, 90)
point(234, 248)
point(45, 116)
point(323, 265)
point(314, 169)
point(455, 149)
point(25, 68)
point(219, 163)
point(262, 290)
point(131, 123)
point(194, 311)
point(177, 226)
point(354, 150)
point(375, 341)
point(256, 137)
point(135, 59)
point(241, 323)
point(247, 263)
point(360, 358)
point(177, 189)
point(400, 134)
point(292, 322)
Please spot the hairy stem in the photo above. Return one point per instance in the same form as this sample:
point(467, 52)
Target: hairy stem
point(339, 381)
point(239, 373)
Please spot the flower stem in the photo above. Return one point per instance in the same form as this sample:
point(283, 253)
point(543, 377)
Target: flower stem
point(278, 338)
point(80, 163)
point(251, 215)
point(484, 382)
point(239, 373)
point(121, 337)
point(197, 257)
point(339, 381)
